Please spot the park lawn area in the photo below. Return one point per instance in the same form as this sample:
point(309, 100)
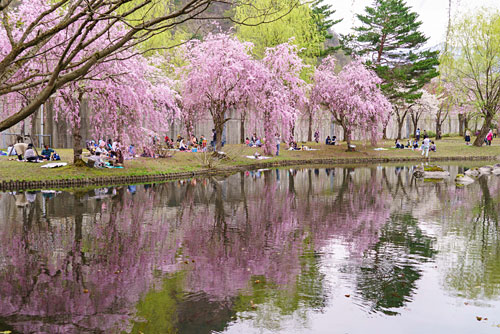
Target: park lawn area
point(452, 147)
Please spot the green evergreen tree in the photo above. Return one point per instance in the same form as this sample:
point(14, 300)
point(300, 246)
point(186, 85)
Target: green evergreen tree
point(390, 39)
point(321, 16)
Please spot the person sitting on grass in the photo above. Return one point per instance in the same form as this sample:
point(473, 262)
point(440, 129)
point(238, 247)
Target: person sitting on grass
point(328, 141)
point(98, 163)
point(30, 154)
point(334, 140)
point(194, 141)
point(182, 146)
point(47, 153)
point(258, 143)
point(432, 148)
point(398, 144)
point(415, 144)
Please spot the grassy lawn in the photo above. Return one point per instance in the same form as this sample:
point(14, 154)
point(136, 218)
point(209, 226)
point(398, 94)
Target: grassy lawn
point(186, 161)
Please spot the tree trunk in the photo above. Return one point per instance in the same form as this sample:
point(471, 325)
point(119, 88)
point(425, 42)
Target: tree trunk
point(384, 132)
point(219, 127)
point(461, 123)
point(309, 130)
point(347, 137)
point(438, 126)
point(400, 128)
point(77, 147)
point(484, 130)
point(438, 130)
point(242, 130)
point(466, 123)
point(414, 121)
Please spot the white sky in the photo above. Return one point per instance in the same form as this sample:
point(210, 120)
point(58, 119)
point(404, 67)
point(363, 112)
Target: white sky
point(433, 14)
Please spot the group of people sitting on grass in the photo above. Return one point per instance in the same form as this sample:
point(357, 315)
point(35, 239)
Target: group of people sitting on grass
point(254, 141)
point(103, 153)
point(414, 145)
point(331, 141)
point(27, 152)
point(182, 144)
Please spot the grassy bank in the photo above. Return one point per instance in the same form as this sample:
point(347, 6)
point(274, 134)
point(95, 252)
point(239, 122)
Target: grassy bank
point(190, 162)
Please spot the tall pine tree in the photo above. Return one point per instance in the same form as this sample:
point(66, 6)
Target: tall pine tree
point(390, 39)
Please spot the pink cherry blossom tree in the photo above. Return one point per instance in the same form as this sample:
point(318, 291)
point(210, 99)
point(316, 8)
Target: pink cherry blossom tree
point(221, 76)
point(126, 97)
point(216, 79)
point(352, 96)
point(285, 92)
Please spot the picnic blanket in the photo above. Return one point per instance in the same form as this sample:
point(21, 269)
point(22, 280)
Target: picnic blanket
point(380, 149)
point(54, 165)
point(257, 158)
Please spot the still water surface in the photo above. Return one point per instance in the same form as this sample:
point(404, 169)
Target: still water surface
point(326, 250)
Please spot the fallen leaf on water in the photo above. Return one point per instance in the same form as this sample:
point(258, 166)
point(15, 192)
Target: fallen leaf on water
point(347, 296)
point(257, 281)
point(85, 291)
point(485, 319)
point(479, 318)
point(465, 303)
point(192, 261)
point(5, 332)
point(186, 262)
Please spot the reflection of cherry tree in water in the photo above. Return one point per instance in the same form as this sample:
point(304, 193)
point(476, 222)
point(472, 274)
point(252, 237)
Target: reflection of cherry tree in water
point(66, 275)
point(260, 247)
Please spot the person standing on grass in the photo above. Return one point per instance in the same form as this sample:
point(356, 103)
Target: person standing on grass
point(425, 146)
point(489, 137)
point(277, 138)
point(467, 137)
point(20, 149)
point(417, 134)
point(316, 136)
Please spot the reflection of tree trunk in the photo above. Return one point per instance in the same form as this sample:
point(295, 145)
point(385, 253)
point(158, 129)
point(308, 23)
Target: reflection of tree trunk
point(77, 254)
point(291, 182)
point(244, 196)
point(309, 178)
point(344, 186)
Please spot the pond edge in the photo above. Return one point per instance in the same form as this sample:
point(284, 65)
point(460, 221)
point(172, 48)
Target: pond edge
point(129, 179)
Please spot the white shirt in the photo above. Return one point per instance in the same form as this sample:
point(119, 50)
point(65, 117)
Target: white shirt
point(426, 142)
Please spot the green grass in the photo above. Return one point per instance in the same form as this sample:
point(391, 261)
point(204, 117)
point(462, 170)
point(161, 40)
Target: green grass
point(451, 147)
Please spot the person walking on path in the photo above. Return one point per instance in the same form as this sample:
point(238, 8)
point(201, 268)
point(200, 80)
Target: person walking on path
point(425, 146)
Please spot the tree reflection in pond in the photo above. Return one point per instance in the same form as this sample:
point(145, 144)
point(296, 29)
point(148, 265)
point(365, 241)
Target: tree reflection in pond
point(196, 256)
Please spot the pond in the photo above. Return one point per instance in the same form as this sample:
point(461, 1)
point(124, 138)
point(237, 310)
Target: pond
point(302, 250)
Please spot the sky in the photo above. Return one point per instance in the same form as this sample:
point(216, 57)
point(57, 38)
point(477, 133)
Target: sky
point(433, 14)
